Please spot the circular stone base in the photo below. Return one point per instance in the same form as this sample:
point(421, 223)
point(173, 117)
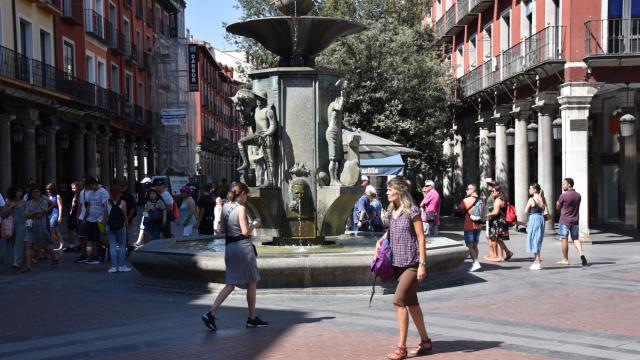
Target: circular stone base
point(200, 261)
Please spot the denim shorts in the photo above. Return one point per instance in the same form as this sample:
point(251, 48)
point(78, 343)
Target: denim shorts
point(565, 230)
point(472, 236)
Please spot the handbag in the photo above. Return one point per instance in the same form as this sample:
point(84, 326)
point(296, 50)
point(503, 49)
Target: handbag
point(7, 227)
point(546, 214)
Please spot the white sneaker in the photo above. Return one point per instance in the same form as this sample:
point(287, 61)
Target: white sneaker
point(535, 266)
point(476, 266)
point(113, 270)
point(125, 268)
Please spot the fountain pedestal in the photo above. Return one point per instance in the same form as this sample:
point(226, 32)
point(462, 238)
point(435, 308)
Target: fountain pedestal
point(300, 97)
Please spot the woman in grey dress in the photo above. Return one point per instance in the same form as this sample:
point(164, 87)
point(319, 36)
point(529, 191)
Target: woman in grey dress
point(36, 233)
point(239, 257)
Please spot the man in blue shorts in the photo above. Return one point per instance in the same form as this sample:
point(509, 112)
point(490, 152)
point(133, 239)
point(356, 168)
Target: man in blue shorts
point(472, 230)
point(569, 206)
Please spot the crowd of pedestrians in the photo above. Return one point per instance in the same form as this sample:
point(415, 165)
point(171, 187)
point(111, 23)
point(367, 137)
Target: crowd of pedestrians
point(99, 220)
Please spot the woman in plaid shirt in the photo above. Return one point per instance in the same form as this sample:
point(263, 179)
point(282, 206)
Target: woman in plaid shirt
point(409, 264)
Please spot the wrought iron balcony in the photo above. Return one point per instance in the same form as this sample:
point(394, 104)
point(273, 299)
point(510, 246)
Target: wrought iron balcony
point(138, 114)
point(542, 49)
point(148, 16)
point(72, 11)
point(439, 28)
point(130, 52)
point(94, 24)
point(114, 38)
point(451, 21)
point(478, 6)
point(612, 38)
point(18, 67)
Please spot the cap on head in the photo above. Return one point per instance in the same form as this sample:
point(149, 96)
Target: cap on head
point(146, 180)
point(364, 178)
point(429, 183)
point(262, 94)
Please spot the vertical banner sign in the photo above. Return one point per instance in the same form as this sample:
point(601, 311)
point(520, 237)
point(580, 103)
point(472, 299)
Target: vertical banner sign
point(193, 68)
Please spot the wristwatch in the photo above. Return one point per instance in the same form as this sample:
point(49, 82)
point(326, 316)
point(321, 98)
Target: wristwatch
point(423, 263)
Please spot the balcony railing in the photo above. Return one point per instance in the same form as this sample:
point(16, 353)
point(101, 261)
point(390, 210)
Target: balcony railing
point(534, 51)
point(440, 28)
point(127, 3)
point(114, 38)
point(463, 8)
point(148, 16)
point(476, 6)
point(138, 114)
point(72, 11)
point(35, 73)
point(94, 24)
point(131, 52)
point(451, 18)
point(612, 37)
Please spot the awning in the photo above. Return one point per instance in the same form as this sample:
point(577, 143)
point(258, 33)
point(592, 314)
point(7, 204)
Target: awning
point(385, 166)
point(374, 147)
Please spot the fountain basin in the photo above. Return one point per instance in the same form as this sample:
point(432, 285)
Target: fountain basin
point(295, 39)
point(197, 262)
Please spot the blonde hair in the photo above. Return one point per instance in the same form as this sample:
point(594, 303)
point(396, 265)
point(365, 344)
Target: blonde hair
point(401, 185)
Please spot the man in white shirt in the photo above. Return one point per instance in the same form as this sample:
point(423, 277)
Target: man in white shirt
point(168, 201)
point(93, 198)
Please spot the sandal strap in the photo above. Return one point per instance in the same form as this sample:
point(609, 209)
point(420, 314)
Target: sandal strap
point(399, 354)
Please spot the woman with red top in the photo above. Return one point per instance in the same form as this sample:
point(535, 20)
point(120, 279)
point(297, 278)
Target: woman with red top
point(409, 264)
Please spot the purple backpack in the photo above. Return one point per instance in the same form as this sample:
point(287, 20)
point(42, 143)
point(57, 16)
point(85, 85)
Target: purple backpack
point(381, 265)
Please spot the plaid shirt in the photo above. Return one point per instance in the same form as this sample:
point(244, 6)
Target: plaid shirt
point(404, 241)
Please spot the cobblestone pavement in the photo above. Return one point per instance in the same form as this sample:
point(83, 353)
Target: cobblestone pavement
point(504, 311)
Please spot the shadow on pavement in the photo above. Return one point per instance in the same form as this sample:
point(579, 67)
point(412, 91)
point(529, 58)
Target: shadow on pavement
point(466, 346)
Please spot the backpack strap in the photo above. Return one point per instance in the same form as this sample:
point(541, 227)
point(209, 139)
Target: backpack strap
point(472, 205)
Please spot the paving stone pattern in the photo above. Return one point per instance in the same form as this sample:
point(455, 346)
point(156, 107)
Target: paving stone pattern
point(504, 311)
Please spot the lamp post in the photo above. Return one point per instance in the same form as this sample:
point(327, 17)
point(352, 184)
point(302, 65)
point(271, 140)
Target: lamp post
point(532, 133)
point(492, 139)
point(557, 128)
point(511, 136)
point(627, 121)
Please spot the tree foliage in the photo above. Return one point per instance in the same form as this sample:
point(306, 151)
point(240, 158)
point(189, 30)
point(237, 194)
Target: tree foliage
point(396, 85)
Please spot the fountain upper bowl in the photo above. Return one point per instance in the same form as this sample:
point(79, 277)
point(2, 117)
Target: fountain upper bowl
point(295, 39)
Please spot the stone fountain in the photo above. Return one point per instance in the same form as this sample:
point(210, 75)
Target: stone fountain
point(302, 186)
point(288, 152)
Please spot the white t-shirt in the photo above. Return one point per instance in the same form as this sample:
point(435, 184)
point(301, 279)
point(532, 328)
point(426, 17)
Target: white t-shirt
point(96, 200)
point(1, 201)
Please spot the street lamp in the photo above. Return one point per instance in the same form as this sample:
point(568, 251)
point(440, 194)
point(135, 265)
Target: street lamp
point(557, 128)
point(532, 133)
point(41, 137)
point(492, 139)
point(627, 121)
point(511, 136)
point(64, 141)
point(17, 134)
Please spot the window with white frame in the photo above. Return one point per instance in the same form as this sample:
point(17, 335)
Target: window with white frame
point(68, 58)
point(473, 53)
point(459, 61)
point(505, 30)
point(128, 87)
point(487, 43)
point(26, 39)
point(46, 47)
point(91, 68)
point(115, 78)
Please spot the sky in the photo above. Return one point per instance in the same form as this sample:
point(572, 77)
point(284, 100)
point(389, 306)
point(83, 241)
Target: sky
point(204, 19)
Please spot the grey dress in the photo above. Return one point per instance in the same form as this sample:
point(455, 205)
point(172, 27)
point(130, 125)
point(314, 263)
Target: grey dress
point(38, 232)
point(239, 257)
